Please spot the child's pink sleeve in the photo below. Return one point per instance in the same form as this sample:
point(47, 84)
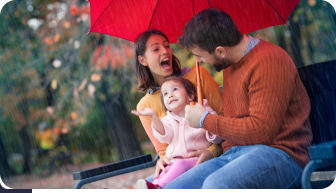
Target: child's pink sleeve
point(212, 138)
point(167, 137)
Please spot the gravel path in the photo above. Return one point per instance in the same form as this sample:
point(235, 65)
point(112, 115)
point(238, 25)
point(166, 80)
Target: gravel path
point(64, 180)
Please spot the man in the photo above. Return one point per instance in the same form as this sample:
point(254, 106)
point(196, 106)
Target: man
point(265, 125)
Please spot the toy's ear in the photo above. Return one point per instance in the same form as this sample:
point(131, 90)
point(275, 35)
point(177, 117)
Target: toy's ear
point(142, 60)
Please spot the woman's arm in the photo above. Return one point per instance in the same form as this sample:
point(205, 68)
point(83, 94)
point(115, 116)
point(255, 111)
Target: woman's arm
point(211, 92)
point(214, 95)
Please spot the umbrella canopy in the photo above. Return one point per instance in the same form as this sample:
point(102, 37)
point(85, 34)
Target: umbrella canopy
point(126, 19)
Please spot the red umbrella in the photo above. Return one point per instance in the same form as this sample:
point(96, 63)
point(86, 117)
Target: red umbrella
point(126, 19)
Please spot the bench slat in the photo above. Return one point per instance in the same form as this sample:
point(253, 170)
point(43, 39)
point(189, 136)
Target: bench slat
point(112, 167)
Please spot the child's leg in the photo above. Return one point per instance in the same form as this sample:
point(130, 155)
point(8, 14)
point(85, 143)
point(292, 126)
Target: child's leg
point(174, 170)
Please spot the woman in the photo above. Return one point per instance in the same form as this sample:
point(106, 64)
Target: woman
point(154, 62)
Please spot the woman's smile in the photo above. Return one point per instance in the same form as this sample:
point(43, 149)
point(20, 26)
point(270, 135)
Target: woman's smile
point(166, 64)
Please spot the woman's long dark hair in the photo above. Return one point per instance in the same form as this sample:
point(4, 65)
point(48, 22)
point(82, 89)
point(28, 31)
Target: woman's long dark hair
point(143, 73)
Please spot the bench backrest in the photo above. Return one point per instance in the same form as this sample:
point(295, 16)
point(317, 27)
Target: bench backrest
point(320, 82)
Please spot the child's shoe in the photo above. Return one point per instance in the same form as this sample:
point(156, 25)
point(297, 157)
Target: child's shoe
point(144, 184)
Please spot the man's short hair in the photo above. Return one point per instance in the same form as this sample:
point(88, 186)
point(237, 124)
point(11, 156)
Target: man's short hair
point(209, 29)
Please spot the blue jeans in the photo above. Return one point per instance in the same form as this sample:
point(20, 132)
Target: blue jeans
point(251, 167)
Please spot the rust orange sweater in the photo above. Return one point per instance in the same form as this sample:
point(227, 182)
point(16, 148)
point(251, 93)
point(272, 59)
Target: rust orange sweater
point(264, 102)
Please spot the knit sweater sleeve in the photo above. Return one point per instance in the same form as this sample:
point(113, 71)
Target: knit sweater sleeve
point(269, 84)
point(212, 138)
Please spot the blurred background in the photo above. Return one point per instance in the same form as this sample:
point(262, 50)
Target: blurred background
point(66, 96)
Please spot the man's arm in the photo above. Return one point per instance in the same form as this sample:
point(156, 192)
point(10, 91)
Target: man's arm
point(269, 93)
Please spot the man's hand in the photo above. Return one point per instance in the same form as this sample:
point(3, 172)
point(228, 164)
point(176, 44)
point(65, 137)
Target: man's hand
point(204, 155)
point(160, 165)
point(193, 114)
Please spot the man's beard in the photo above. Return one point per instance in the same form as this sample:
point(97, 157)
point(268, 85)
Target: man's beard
point(221, 63)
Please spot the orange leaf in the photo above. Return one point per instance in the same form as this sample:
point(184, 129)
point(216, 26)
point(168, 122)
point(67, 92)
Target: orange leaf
point(95, 77)
point(74, 10)
point(64, 130)
point(73, 115)
point(66, 24)
point(48, 41)
point(57, 37)
point(57, 131)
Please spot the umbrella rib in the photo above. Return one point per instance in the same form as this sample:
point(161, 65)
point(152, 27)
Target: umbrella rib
point(209, 4)
point(276, 11)
point(99, 16)
point(193, 7)
point(153, 14)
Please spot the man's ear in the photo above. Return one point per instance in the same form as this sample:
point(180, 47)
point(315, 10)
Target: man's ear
point(221, 51)
point(142, 60)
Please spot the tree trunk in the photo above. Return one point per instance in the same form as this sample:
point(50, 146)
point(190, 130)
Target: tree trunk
point(26, 149)
point(119, 123)
point(295, 42)
point(5, 169)
point(282, 41)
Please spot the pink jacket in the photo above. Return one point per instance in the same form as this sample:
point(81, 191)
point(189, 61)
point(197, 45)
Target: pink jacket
point(182, 138)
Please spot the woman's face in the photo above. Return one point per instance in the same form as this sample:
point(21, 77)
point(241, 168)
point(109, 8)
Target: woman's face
point(158, 58)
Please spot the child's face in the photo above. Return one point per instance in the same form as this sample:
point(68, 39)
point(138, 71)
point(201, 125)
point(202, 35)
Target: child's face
point(175, 96)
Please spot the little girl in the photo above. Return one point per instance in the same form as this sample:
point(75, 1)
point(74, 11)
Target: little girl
point(173, 129)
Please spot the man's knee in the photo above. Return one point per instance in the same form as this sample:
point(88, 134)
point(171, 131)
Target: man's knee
point(216, 182)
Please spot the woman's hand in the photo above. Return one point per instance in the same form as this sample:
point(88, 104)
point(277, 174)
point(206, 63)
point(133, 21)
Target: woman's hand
point(160, 165)
point(144, 112)
point(204, 155)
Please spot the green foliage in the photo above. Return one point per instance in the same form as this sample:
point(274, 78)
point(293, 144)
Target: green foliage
point(93, 136)
point(9, 136)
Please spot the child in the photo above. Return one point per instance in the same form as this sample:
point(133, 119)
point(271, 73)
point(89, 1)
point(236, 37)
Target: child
point(173, 129)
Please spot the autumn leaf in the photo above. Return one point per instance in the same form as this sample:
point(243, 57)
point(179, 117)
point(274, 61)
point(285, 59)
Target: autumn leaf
point(48, 41)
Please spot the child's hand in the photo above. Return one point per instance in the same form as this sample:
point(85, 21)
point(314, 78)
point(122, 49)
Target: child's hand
point(160, 166)
point(144, 112)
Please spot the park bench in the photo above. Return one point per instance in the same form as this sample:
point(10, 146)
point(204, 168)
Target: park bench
point(320, 82)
